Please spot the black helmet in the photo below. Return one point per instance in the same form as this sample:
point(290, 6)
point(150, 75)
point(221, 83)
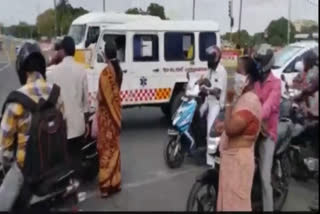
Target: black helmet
point(214, 56)
point(311, 59)
point(30, 59)
point(264, 57)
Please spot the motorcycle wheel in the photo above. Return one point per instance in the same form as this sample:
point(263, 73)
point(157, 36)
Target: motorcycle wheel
point(281, 183)
point(173, 160)
point(202, 198)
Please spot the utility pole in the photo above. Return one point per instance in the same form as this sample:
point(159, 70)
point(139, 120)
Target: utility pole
point(194, 10)
point(240, 17)
point(104, 5)
point(289, 23)
point(231, 18)
point(56, 17)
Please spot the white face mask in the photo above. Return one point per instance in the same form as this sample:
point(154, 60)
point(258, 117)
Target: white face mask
point(299, 66)
point(240, 81)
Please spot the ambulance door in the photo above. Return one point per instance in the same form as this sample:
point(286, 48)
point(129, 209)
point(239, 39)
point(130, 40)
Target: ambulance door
point(121, 40)
point(146, 84)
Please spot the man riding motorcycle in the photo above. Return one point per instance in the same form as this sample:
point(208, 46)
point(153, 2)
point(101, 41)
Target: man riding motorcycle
point(269, 91)
point(216, 94)
point(16, 121)
point(308, 82)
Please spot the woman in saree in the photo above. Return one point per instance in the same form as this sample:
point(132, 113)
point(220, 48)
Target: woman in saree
point(109, 123)
point(241, 129)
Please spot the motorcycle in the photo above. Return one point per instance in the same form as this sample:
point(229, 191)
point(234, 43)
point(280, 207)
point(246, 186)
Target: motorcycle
point(62, 187)
point(188, 132)
point(204, 192)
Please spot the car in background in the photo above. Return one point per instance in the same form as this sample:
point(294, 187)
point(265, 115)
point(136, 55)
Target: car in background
point(286, 58)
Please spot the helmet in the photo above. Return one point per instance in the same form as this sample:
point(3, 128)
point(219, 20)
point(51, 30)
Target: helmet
point(214, 56)
point(30, 59)
point(311, 59)
point(264, 57)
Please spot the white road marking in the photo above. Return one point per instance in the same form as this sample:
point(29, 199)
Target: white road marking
point(4, 67)
point(154, 178)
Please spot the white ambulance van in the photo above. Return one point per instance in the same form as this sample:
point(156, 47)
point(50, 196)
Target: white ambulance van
point(155, 57)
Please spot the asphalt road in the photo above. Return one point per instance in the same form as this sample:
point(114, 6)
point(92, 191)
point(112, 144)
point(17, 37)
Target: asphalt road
point(147, 184)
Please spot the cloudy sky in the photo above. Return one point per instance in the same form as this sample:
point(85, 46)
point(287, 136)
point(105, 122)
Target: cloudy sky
point(256, 13)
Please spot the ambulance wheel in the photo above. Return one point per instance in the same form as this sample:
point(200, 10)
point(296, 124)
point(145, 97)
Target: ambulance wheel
point(165, 108)
point(175, 102)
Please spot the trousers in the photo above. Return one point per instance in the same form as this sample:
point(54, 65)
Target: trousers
point(10, 188)
point(266, 152)
point(213, 112)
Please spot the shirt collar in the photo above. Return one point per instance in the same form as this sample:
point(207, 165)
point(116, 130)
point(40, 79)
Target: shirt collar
point(34, 76)
point(67, 58)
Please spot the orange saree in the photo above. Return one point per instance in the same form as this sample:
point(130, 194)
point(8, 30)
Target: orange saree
point(109, 124)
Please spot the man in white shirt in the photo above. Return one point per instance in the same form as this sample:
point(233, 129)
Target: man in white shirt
point(216, 94)
point(72, 79)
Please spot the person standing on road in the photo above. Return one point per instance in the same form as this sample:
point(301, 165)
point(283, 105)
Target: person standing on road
point(241, 129)
point(109, 123)
point(216, 94)
point(269, 91)
point(72, 79)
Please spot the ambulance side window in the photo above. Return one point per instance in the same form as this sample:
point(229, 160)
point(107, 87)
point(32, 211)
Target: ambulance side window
point(179, 46)
point(120, 41)
point(206, 40)
point(145, 48)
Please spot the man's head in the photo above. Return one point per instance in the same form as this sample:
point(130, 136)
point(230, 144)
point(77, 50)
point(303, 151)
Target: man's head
point(30, 60)
point(264, 57)
point(68, 46)
point(310, 60)
point(214, 57)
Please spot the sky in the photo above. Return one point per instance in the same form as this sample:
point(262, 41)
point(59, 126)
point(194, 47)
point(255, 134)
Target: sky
point(257, 14)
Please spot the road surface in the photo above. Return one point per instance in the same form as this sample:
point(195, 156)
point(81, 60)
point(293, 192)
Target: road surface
point(148, 185)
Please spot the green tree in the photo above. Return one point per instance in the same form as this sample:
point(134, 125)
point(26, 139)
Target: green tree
point(156, 10)
point(46, 23)
point(245, 38)
point(310, 29)
point(153, 10)
point(278, 32)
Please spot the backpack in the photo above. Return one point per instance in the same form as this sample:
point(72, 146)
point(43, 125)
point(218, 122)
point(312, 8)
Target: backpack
point(46, 151)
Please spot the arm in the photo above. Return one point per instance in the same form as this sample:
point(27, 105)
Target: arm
point(8, 130)
point(273, 101)
point(234, 124)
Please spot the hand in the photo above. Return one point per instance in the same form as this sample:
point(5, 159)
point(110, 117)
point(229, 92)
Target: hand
point(204, 89)
point(219, 127)
point(230, 96)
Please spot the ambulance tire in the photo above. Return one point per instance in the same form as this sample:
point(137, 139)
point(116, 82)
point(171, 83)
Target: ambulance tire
point(175, 102)
point(165, 108)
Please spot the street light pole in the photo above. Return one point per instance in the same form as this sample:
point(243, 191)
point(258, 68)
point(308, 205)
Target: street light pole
point(240, 17)
point(194, 10)
point(56, 17)
point(104, 5)
point(289, 24)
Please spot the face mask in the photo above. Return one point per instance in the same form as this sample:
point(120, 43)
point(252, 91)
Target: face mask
point(240, 83)
point(299, 66)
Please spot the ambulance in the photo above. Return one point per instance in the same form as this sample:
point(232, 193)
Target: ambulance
point(155, 56)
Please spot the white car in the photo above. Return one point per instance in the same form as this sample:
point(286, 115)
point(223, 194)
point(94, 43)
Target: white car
point(286, 59)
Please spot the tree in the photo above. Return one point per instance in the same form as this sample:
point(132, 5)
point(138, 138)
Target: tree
point(156, 10)
point(135, 11)
point(65, 15)
point(245, 38)
point(310, 29)
point(153, 10)
point(278, 32)
point(46, 23)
